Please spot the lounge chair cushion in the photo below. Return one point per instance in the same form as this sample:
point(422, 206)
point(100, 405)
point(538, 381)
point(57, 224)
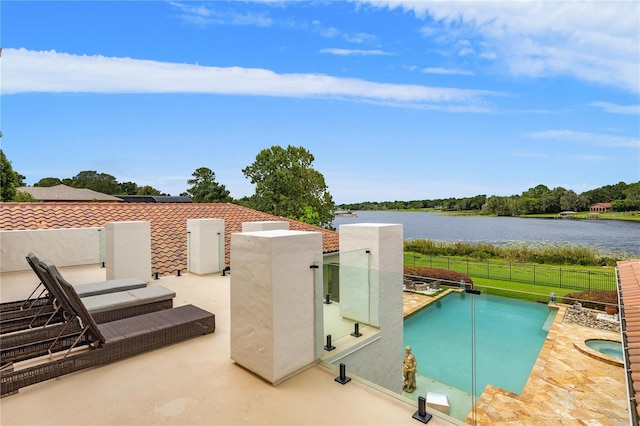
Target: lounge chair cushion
point(125, 299)
point(109, 286)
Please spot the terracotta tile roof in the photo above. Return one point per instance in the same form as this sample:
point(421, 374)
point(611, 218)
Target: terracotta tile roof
point(168, 223)
point(629, 290)
point(66, 193)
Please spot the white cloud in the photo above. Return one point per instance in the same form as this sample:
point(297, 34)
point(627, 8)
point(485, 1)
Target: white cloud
point(617, 109)
point(202, 15)
point(25, 71)
point(352, 52)
point(360, 38)
point(445, 71)
point(596, 41)
point(596, 139)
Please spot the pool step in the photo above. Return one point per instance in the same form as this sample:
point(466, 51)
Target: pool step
point(549, 322)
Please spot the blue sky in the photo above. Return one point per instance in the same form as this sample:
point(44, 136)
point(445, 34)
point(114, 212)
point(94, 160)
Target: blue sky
point(395, 100)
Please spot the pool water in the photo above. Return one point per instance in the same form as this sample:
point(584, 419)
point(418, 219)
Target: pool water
point(508, 337)
point(607, 347)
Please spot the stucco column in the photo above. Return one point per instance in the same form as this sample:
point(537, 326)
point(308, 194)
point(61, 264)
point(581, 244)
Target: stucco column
point(205, 245)
point(371, 268)
point(371, 264)
point(276, 301)
point(128, 250)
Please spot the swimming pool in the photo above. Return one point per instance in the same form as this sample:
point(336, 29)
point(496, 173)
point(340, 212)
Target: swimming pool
point(508, 336)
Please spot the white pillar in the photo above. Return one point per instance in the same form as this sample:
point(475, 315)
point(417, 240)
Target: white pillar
point(374, 280)
point(264, 225)
point(276, 301)
point(205, 245)
point(128, 250)
point(362, 275)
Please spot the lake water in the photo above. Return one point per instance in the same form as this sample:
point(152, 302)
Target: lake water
point(606, 236)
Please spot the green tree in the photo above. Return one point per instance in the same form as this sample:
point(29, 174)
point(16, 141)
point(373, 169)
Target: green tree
point(128, 188)
point(497, 205)
point(48, 182)
point(205, 189)
point(147, 190)
point(633, 191)
point(536, 192)
point(24, 197)
point(9, 179)
point(287, 185)
point(100, 182)
point(569, 201)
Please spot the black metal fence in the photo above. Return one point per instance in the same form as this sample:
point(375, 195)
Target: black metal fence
point(553, 276)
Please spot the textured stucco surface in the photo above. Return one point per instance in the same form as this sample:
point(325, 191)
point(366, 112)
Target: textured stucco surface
point(381, 361)
point(205, 245)
point(275, 301)
point(128, 250)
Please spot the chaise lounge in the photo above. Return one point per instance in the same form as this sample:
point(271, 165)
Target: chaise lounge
point(105, 343)
point(32, 303)
point(60, 330)
point(106, 301)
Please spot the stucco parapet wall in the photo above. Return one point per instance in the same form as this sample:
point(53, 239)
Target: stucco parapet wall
point(63, 247)
point(264, 225)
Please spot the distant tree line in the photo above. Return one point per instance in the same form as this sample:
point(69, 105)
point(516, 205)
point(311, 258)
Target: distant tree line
point(286, 185)
point(99, 182)
point(448, 204)
point(537, 200)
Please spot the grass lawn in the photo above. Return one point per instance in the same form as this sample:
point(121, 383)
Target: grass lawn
point(565, 278)
point(516, 290)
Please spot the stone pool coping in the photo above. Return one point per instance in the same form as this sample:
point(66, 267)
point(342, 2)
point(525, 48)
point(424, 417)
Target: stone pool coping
point(582, 347)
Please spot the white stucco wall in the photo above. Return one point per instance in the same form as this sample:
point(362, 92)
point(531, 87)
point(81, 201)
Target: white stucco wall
point(63, 247)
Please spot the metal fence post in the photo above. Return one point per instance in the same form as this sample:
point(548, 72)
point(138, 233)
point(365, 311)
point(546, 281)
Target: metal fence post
point(560, 277)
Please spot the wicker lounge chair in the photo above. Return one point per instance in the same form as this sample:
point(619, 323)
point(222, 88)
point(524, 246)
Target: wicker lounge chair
point(39, 297)
point(104, 307)
point(39, 303)
point(60, 332)
point(106, 342)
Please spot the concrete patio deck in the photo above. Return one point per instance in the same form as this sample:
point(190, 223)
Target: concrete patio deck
point(196, 382)
point(193, 382)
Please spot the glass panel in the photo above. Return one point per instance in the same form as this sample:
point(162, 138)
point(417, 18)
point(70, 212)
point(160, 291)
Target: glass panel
point(221, 251)
point(103, 245)
point(354, 286)
point(188, 250)
point(344, 307)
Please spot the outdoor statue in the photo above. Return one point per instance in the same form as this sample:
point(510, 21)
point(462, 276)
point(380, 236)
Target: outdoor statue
point(409, 370)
